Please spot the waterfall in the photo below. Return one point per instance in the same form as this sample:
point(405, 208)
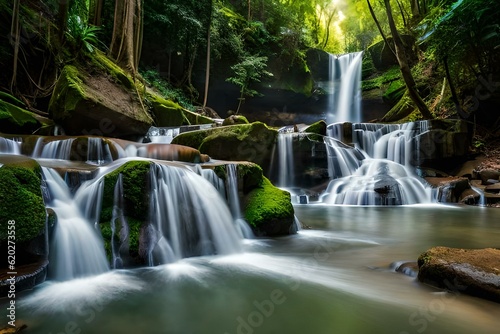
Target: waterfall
point(232, 190)
point(343, 160)
point(10, 146)
point(234, 201)
point(344, 93)
point(384, 175)
point(98, 152)
point(57, 149)
point(118, 217)
point(188, 217)
point(76, 247)
point(285, 160)
point(378, 182)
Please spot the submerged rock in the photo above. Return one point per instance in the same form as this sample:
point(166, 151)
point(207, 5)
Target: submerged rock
point(472, 271)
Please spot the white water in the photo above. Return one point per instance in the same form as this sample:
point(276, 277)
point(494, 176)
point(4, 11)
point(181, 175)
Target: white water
point(76, 247)
point(234, 202)
point(344, 88)
point(285, 159)
point(386, 175)
point(98, 152)
point(188, 217)
point(57, 149)
point(10, 146)
point(118, 223)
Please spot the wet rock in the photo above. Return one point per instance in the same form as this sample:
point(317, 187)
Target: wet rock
point(450, 189)
point(488, 174)
point(471, 271)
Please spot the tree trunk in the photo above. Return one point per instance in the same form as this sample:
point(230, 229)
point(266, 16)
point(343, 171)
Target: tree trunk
point(372, 12)
point(207, 71)
point(62, 19)
point(96, 13)
point(15, 34)
point(124, 43)
point(403, 65)
point(454, 96)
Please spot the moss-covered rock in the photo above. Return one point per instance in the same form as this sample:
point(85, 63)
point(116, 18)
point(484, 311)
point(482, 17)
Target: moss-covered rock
point(22, 210)
point(135, 178)
point(269, 210)
point(169, 113)
point(21, 197)
point(92, 104)
point(235, 119)
point(472, 271)
point(317, 128)
point(246, 142)
point(14, 119)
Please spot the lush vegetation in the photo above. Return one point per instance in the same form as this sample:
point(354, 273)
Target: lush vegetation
point(176, 46)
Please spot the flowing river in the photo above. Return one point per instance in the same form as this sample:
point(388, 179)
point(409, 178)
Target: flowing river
point(334, 277)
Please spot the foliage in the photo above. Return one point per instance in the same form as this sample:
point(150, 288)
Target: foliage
point(80, 34)
point(379, 81)
point(154, 79)
point(251, 69)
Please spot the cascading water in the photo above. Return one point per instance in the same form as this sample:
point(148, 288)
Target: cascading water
point(386, 175)
point(344, 88)
point(118, 221)
point(285, 159)
point(234, 201)
point(57, 149)
point(188, 217)
point(10, 146)
point(98, 152)
point(76, 248)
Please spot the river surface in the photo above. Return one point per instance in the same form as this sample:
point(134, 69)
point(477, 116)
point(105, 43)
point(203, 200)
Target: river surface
point(335, 277)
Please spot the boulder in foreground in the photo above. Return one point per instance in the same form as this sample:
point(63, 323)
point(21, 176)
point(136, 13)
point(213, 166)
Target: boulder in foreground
point(472, 271)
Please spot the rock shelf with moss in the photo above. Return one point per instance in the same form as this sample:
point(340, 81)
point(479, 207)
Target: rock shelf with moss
point(472, 271)
point(245, 142)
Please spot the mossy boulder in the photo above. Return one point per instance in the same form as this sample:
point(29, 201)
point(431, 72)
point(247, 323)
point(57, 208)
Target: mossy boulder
point(16, 120)
point(471, 271)
point(21, 203)
point(94, 104)
point(269, 210)
point(235, 119)
point(318, 128)
point(169, 113)
point(135, 180)
point(246, 142)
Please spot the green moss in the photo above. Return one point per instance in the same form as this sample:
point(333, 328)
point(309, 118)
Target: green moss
point(169, 113)
point(135, 176)
point(16, 120)
point(11, 99)
point(21, 200)
point(100, 60)
point(251, 175)
point(267, 203)
point(384, 78)
point(69, 91)
point(318, 128)
point(235, 119)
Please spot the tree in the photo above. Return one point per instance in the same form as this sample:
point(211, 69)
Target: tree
point(126, 42)
point(403, 65)
point(250, 69)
